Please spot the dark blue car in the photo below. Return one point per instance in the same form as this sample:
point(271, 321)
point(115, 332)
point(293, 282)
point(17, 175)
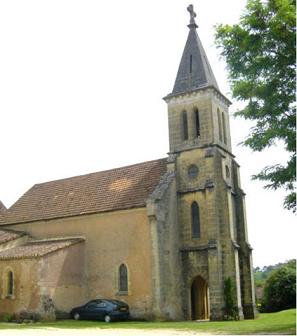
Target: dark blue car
point(101, 309)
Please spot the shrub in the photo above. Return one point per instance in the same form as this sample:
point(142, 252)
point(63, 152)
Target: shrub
point(6, 317)
point(230, 310)
point(280, 289)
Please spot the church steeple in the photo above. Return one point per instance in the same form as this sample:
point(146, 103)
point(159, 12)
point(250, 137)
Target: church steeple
point(197, 110)
point(210, 203)
point(194, 70)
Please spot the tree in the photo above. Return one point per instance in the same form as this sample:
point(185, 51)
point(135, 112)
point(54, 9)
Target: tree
point(260, 56)
point(280, 288)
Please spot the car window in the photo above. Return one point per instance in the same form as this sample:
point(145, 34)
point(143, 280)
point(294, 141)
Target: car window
point(101, 305)
point(92, 304)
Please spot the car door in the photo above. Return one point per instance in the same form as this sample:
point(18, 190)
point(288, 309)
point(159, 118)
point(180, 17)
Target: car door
point(89, 311)
point(101, 308)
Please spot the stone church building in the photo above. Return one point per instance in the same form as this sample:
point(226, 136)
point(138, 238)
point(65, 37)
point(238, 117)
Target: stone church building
point(162, 235)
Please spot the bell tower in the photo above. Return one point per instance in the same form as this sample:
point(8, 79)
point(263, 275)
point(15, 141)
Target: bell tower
point(214, 247)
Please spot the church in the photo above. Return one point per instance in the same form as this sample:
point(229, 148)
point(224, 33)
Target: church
point(163, 236)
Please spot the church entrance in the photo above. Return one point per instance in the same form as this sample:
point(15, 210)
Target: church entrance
point(199, 299)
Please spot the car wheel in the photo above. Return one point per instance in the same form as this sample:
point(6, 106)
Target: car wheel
point(76, 316)
point(107, 318)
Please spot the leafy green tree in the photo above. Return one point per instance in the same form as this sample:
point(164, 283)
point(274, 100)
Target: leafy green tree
point(280, 288)
point(260, 56)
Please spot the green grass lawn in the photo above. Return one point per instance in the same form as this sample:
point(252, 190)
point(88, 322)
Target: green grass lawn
point(283, 322)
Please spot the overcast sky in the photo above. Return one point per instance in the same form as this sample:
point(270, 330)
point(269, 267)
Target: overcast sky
point(81, 87)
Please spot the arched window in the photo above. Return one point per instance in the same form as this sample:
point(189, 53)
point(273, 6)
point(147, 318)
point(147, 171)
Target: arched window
point(227, 171)
point(123, 278)
point(224, 128)
point(185, 125)
point(219, 125)
point(9, 283)
point(195, 220)
point(197, 123)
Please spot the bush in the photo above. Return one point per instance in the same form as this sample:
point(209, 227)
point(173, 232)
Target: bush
point(29, 316)
point(280, 289)
point(230, 310)
point(6, 317)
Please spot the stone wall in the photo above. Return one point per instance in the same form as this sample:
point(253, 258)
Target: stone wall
point(60, 278)
point(111, 239)
point(165, 238)
point(26, 292)
point(43, 287)
point(207, 101)
point(245, 251)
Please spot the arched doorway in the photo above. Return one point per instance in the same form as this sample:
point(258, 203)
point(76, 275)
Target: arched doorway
point(199, 299)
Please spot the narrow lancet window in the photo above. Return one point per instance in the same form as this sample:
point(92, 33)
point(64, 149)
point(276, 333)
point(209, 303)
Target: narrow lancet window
point(9, 283)
point(195, 220)
point(219, 125)
point(123, 278)
point(227, 171)
point(185, 125)
point(224, 128)
point(197, 123)
point(190, 63)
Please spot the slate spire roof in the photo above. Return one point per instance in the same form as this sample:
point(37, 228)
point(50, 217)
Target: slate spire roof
point(194, 70)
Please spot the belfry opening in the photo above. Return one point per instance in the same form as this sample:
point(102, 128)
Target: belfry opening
point(199, 299)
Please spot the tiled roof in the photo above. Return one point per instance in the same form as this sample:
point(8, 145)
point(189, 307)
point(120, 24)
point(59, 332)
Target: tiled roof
point(109, 190)
point(2, 208)
point(35, 249)
point(8, 235)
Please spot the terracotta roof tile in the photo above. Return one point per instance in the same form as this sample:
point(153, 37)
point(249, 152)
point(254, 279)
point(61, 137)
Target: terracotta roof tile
point(8, 235)
point(115, 189)
point(35, 249)
point(2, 208)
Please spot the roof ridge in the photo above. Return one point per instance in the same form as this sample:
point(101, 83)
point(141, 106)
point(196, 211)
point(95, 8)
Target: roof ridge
point(56, 239)
point(21, 233)
point(29, 251)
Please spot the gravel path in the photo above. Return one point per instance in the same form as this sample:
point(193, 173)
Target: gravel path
point(98, 332)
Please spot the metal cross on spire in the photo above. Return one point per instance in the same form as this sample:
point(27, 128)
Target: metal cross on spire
point(192, 24)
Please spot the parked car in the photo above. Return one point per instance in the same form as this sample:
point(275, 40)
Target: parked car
point(101, 309)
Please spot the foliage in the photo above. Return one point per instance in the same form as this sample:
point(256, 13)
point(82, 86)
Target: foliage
point(260, 56)
point(261, 274)
point(280, 288)
point(274, 323)
point(231, 311)
point(6, 317)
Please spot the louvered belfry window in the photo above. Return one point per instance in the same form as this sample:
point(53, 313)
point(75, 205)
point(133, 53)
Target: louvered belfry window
point(185, 125)
point(197, 122)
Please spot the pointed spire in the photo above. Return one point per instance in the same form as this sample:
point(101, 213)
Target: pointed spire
point(194, 70)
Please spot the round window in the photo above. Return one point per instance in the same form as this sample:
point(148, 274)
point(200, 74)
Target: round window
point(193, 171)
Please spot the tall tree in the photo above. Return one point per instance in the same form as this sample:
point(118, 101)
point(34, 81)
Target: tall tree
point(260, 56)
